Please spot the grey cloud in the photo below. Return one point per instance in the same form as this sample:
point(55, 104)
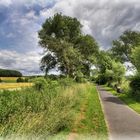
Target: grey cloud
point(104, 19)
point(27, 63)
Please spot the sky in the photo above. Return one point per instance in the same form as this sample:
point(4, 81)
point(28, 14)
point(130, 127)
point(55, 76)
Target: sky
point(20, 21)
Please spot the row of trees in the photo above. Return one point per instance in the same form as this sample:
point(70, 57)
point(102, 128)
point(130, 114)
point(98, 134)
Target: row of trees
point(10, 73)
point(73, 53)
point(127, 49)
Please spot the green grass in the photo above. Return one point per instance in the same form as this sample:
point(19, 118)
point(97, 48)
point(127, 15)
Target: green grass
point(90, 121)
point(126, 98)
point(53, 113)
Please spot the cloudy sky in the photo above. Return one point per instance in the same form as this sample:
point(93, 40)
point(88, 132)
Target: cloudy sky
point(20, 20)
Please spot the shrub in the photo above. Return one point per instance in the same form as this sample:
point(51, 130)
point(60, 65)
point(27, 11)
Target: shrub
point(20, 80)
point(26, 80)
point(135, 84)
point(66, 82)
point(0, 80)
point(80, 77)
point(52, 77)
point(101, 79)
point(40, 83)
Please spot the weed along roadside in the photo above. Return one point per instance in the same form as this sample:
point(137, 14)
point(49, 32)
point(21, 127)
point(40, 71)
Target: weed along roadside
point(59, 110)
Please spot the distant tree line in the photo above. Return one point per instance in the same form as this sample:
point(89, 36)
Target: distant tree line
point(10, 73)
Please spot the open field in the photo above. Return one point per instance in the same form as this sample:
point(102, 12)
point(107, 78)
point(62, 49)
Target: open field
point(9, 79)
point(126, 98)
point(14, 85)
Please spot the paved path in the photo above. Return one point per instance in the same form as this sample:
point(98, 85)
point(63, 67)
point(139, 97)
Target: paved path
point(123, 122)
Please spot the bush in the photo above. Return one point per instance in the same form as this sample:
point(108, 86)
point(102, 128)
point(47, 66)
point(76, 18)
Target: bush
point(65, 82)
point(101, 79)
point(0, 80)
point(40, 83)
point(20, 80)
point(79, 78)
point(135, 84)
point(52, 77)
point(26, 80)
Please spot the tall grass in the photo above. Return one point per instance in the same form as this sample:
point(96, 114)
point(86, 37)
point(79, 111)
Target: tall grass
point(51, 110)
point(33, 112)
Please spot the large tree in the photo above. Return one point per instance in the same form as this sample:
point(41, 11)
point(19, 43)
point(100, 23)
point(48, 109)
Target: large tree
point(122, 48)
point(66, 47)
point(109, 69)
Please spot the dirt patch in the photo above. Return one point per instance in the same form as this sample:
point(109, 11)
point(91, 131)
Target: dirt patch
point(72, 136)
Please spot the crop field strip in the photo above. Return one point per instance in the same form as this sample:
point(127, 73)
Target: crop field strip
point(14, 85)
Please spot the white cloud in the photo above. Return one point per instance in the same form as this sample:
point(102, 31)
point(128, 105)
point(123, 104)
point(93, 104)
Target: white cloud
point(5, 2)
point(27, 63)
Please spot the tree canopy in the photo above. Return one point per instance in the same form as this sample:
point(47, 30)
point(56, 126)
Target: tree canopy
point(65, 46)
point(122, 48)
point(109, 69)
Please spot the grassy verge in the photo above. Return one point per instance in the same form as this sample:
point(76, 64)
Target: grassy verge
point(90, 121)
point(53, 113)
point(126, 98)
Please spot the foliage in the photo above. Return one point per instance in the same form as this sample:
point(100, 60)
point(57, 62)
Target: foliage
point(66, 82)
point(9, 73)
point(116, 73)
point(1, 80)
point(65, 46)
point(136, 58)
point(109, 69)
point(104, 61)
point(20, 80)
point(122, 48)
point(101, 79)
point(135, 84)
point(40, 84)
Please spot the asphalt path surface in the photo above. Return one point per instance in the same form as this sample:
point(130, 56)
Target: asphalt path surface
point(123, 123)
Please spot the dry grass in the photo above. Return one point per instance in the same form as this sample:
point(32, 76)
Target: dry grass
point(8, 78)
point(14, 85)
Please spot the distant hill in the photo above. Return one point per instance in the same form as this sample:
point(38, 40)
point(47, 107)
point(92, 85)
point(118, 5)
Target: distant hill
point(10, 73)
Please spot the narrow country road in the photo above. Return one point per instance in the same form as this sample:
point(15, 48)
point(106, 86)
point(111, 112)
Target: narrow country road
point(123, 122)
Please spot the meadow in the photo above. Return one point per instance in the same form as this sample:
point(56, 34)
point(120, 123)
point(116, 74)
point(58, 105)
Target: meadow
point(52, 110)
